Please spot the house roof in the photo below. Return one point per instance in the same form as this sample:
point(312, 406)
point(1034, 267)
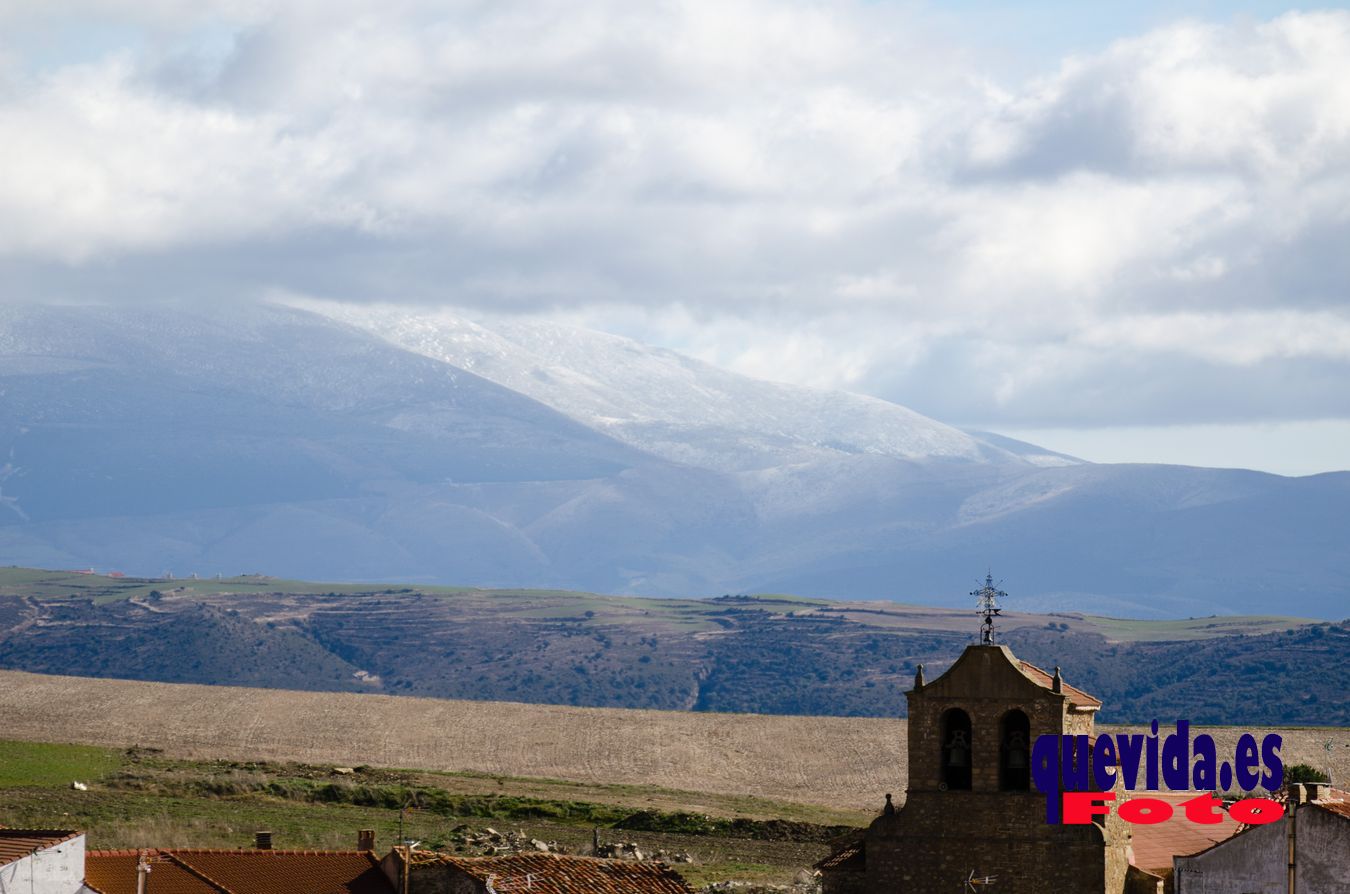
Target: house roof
point(115, 873)
point(555, 874)
point(850, 857)
point(1340, 808)
point(15, 844)
point(1046, 680)
point(1156, 844)
point(190, 871)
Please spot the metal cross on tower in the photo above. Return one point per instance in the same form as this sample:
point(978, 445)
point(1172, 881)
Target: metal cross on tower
point(989, 595)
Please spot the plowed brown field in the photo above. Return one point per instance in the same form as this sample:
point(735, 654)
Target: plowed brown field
point(831, 761)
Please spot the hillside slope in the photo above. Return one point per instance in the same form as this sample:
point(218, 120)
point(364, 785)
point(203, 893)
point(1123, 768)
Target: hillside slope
point(846, 763)
point(280, 440)
point(671, 405)
point(772, 655)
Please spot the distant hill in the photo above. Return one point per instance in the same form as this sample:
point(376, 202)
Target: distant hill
point(757, 654)
point(380, 445)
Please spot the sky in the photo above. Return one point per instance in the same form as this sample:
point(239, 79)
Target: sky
point(1120, 231)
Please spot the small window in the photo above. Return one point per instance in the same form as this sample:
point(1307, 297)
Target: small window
point(956, 749)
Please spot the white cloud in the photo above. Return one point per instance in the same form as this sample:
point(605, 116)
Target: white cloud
point(824, 192)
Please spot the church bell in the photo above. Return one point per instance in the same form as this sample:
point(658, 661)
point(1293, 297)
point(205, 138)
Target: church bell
point(958, 753)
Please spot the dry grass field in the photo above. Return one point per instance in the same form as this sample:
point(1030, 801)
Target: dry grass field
point(843, 763)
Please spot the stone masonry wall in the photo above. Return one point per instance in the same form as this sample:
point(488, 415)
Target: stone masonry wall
point(938, 838)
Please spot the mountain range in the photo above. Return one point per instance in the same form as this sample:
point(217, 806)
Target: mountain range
point(355, 443)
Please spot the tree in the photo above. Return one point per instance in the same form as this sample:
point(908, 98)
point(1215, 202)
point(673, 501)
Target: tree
point(1303, 773)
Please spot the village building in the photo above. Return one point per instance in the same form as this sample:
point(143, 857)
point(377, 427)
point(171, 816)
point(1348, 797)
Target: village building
point(54, 862)
point(41, 860)
point(1307, 851)
point(220, 871)
point(971, 820)
point(528, 873)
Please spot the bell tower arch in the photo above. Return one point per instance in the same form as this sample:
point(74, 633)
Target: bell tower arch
point(1014, 752)
point(956, 750)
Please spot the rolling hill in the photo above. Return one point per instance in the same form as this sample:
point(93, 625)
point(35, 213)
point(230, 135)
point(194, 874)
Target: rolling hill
point(842, 763)
point(746, 654)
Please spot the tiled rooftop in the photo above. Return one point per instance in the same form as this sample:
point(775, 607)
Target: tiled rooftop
point(553, 874)
point(15, 844)
point(1047, 680)
point(240, 872)
point(1340, 808)
point(115, 873)
point(1155, 845)
point(851, 856)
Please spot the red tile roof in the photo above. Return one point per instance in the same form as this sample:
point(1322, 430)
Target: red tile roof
point(114, 872)
point(1340, 808)
point(15, 844)
point(554, 874)
point(850, 857)
point(1047, 680)
point(189, 871)
point(1155, 845)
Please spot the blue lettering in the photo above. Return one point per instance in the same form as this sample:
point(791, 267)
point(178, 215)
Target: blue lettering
point(1151, 771)
point(1270, 756)
point(1176, 755)
point(1247, 763)
point(1131, 749)
point(1205, 774)
point(1075, 763)
point(1104, 763)
point(1045, 773)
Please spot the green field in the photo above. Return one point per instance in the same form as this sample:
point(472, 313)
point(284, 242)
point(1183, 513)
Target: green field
point(140, 798)
point(34, 765)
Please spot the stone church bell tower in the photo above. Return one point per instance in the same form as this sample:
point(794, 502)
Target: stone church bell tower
point(970, 811)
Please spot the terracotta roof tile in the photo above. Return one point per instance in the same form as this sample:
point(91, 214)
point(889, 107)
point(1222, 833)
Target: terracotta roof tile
point(1155, 845)
point(15, 844)
point(1047, 680)
point(189, 871)
point(554, 874)
point(1340, 808)
point(114, 872)
point(289, 872)
point(852, 856)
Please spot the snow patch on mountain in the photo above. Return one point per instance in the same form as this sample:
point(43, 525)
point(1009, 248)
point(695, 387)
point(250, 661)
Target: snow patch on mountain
point(671, 405)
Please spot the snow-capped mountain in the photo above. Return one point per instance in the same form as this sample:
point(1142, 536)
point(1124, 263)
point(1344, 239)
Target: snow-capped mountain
point(387, 445)
point(672, 405)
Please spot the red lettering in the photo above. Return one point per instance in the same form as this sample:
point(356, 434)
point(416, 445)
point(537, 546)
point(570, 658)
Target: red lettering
point(1205, 809)
point(1079, 807)
point(1256, 811)
point(1145, 811)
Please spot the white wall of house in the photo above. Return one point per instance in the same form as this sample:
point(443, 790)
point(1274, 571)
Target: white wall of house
point(1323, 862)
point(1251, 862)
point(53, 870)
point(1256, 861)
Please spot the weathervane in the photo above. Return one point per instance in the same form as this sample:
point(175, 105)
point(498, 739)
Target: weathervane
point(989, 595)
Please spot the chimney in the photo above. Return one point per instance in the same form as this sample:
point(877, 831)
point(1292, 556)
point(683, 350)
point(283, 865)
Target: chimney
point(1057, 684)
point(262, 841)
point(365, 840)
point(1317, 791)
